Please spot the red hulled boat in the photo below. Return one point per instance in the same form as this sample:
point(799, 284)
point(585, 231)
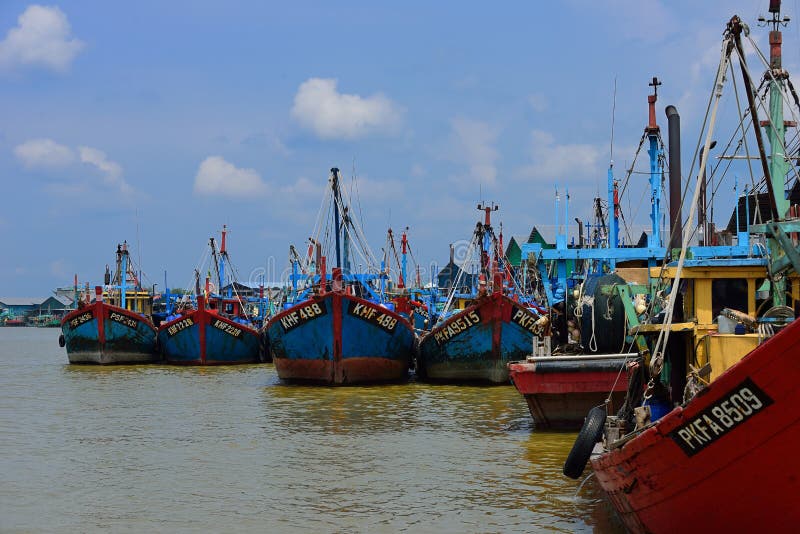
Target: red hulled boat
point(722, 460)
point(560, 390)
point(725, 461)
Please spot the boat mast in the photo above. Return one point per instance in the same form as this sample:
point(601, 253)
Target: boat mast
point(653, 136)
point(123, 279)
point(222, 254)
point(335, 185)
point(345, 239)
point(403, 249)
point(213, 244)
point(486, 265)
point(776, 127)
point(776, 130)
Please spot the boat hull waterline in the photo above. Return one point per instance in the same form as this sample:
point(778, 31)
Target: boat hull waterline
point(560, 394)
point(101, 333)
point(340, 339)
point(203, 337)
point(477, 343)
point(731, 446)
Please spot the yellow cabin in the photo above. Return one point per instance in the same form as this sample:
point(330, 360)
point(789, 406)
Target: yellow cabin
point(136, 301)
point(709, 290)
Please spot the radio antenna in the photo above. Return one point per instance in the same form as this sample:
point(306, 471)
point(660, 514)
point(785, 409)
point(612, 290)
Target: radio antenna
point(613, 117)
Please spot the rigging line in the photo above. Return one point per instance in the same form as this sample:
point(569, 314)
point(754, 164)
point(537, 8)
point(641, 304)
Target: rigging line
point(700, 138)
point(769, 75)
point(718, 184)
point(459, 275)
point(757, 211)
point(728, 160)
point(358, 193)
point(198, 267)
point(633, 163)
point(656, 363)
point(636, 214)
point(766, 112)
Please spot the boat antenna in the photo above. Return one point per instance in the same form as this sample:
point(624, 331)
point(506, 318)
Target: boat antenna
point(336, 193)
point(138, 243)
point(613, 118)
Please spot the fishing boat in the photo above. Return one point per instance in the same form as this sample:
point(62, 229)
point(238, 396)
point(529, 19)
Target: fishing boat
point(721, 458)
point(212, 329)
point(413, 301)
point(115, 326)
point(339, 329)
point(494, 325)
point(584, 363)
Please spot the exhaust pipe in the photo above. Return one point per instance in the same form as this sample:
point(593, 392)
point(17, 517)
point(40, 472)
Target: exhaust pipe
point(675, 217)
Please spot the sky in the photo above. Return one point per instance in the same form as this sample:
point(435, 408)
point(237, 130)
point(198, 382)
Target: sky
point(158, 122)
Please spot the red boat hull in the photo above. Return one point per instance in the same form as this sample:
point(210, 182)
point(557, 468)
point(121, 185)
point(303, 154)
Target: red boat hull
point(562, 399)
point(724, 463)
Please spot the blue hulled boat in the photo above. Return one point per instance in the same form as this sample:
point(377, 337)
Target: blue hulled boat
point(116, 327)
point(495, 324)
point(212, 330)
point(342, 329)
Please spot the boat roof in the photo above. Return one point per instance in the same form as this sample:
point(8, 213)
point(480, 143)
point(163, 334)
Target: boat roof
point(22, 301)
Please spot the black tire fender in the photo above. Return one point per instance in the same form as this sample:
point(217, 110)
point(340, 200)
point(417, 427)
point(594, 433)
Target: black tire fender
point(61, 341)
point(591, 432)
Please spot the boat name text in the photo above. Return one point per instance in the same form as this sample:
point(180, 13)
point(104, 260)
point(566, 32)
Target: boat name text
point(526, 320)
point(462, 324)
point(737, 406)
point(306, 313)
point(80, 319)
point(372, 315)
point(227, 328)
point(124, 320)
point(183, 324)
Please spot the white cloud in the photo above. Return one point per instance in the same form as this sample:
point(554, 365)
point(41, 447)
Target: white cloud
point(43, 153)
point(538, 102)
point(331, 114)
point(473, 143)
point(42, 38)
point(553, 162)
point(112, 171)
point(303, 186)
point(219, 177)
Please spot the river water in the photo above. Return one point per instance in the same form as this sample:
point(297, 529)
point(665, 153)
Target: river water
point(159, 448)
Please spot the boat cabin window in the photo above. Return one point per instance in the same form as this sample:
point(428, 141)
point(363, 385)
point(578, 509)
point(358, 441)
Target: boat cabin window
point(728, 293)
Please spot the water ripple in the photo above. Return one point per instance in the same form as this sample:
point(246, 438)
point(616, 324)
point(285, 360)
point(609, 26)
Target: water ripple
point(88, 448)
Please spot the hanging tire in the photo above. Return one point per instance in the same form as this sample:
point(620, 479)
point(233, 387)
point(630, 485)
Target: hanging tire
point(61, 341)
point(591, 432)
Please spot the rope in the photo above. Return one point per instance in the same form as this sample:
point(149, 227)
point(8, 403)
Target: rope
point(784, 98)
point(657, 362)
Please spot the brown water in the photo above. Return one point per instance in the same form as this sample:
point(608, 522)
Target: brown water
point(158, 448)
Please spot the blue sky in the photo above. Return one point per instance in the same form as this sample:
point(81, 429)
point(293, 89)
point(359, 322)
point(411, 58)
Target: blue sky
point(159, 122)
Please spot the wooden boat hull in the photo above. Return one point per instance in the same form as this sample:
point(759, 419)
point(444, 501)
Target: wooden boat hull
point(203, 337)
point(560, 396)
point(477, 343)
point(723, 463)
point(339, 339)
point(105, 334)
